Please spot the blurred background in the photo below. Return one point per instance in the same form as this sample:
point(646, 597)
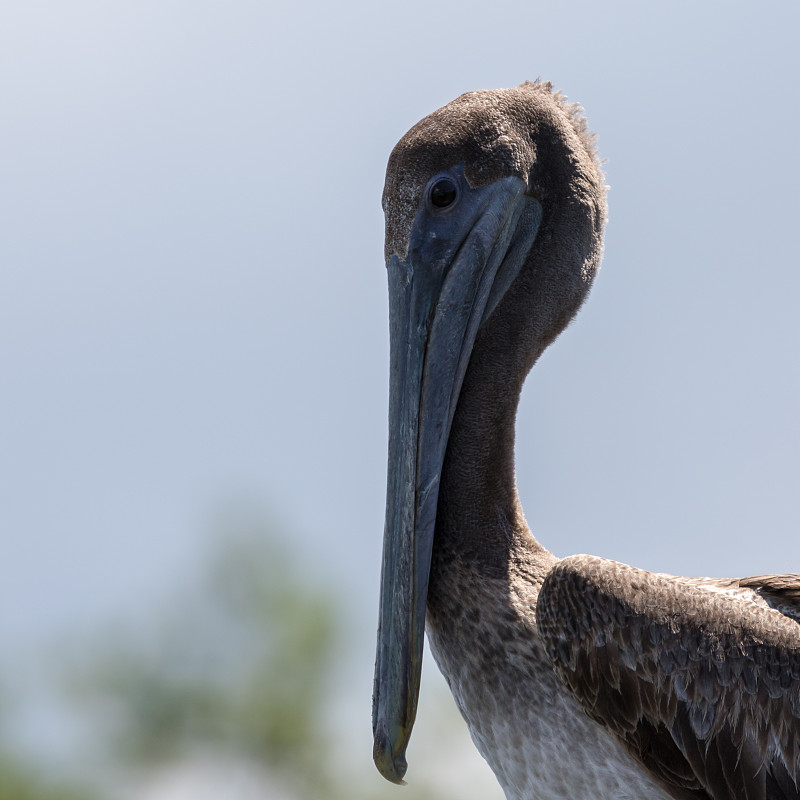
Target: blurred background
point(193, 350)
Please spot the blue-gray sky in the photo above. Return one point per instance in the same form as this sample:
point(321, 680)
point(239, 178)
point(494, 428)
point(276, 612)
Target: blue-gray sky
point(193, 302)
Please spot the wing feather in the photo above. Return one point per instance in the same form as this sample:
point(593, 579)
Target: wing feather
point(699, 677)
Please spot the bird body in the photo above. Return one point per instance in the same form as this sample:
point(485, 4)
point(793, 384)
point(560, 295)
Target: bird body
point(579, 678)
point(536, 737)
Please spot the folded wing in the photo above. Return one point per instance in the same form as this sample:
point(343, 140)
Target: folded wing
point(699, 677)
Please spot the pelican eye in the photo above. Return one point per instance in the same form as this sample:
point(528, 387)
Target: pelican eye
point(443, 193)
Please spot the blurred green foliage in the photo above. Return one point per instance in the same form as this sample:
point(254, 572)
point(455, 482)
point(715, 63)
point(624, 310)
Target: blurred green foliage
point(238, 661)
point(18, 782)
point(238, 665)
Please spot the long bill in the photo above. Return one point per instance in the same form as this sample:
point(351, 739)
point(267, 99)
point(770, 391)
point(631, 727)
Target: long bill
point(438, 297)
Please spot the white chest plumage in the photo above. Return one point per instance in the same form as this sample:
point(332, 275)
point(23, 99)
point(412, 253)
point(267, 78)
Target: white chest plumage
point(534, 735)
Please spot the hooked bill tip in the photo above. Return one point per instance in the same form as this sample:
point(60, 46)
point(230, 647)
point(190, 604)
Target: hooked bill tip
point(390, 766)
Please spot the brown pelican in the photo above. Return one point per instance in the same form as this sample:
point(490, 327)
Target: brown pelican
point(579, 678)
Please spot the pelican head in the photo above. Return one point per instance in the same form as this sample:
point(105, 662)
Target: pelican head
point(494, 207)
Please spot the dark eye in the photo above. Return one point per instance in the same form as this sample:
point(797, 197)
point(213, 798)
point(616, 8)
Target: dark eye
point(443, 193)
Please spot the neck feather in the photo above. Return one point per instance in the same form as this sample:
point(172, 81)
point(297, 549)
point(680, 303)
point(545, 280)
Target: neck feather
point(479, 516)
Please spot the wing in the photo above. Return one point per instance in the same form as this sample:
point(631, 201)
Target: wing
point(700, 678)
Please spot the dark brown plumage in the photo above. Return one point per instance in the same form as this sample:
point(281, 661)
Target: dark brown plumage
point(579, 678)
point(702, 685)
